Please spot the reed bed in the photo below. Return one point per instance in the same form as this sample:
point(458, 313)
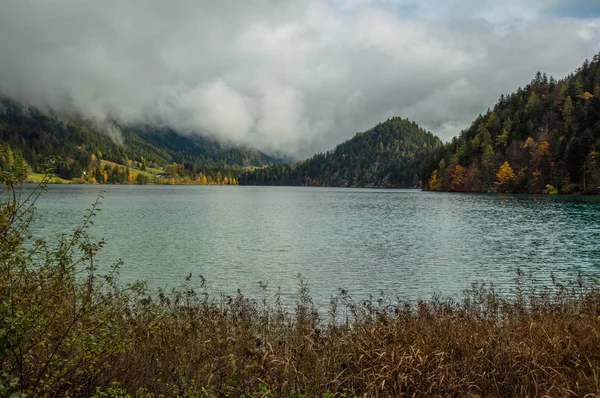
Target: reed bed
point(546, 344)
point(68, 330)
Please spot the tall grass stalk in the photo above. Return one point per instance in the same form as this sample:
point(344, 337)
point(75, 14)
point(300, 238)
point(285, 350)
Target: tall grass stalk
point(66, 329)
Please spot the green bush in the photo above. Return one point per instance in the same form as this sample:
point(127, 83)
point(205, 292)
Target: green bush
point(61, 321)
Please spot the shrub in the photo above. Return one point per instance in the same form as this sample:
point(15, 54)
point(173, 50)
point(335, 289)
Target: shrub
point(61, 322)
point(68, 330)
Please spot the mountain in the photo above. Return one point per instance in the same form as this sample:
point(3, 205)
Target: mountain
point(28, 137)
point(545, 137)
point(388, 155)
point(193, 148)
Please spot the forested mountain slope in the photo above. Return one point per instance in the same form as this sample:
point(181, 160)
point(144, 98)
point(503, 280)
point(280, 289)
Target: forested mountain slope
point(193, 148)
point(28, 137)
point(545, 137)
point(388, 155)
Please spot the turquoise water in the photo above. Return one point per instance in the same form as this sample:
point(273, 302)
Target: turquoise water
point(406, 243)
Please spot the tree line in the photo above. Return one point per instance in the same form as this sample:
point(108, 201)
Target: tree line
point(388, 155)
point(108, 153)
point(544, 137)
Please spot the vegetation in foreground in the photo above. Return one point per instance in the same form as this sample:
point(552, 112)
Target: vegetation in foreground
point(67, 329)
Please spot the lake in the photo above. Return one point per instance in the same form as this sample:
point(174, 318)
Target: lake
point(406, 243)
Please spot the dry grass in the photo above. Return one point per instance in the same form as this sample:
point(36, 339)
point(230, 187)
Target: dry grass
point(66, 330)
point(481, 346)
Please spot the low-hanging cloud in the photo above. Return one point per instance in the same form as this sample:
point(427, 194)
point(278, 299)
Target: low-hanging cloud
point(292, 77)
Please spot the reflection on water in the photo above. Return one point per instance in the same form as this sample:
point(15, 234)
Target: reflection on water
point(407, 243)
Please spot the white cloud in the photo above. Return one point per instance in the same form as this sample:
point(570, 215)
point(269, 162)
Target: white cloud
point(296, 76)
point(218, 109)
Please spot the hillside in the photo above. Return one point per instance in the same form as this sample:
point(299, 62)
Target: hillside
point(195, 148)
point(545, 137)
point(28, 137)
point(388, 155)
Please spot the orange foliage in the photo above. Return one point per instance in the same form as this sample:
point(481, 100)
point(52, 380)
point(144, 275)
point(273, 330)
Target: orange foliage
point(434, 183)
point(543, 148)
point(529, 144)
point(93, 162)
point(458, 178)
point(505, 174)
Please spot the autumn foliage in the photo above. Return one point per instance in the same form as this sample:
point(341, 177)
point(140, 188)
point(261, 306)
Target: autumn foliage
point(547, 132)
point(83, 150)
point(505, 176)
point(83, 334)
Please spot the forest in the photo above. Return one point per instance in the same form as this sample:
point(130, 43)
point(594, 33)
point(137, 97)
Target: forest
point(543, 138)
point(388, 155)
point(75, 149)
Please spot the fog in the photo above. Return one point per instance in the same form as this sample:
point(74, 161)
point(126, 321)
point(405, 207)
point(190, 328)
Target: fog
point(294, 77)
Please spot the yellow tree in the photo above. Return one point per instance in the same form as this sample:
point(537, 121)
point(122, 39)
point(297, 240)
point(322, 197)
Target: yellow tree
point(9, 157)
point(529, 144)
point(505, 174)
point(458, 177)
point(434, 183)
point(93, 163)
point(204, 180)
point(543, 148)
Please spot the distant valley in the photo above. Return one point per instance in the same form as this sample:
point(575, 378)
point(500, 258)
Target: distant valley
point(86, 152)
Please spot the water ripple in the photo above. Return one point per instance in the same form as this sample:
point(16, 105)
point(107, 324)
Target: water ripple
point(407, 243)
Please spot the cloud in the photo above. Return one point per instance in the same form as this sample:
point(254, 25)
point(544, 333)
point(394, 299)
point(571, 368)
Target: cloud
point(295, 77)
point(213, 108)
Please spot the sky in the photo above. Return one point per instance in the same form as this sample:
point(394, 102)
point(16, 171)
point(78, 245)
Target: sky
point(287, 76)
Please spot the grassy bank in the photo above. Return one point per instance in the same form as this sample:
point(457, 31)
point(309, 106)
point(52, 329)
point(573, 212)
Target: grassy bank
point(67, 329)
point(38, 178)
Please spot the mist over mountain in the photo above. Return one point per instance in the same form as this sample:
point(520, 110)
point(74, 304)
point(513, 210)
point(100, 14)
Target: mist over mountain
point(84, 149)
point(388, 155)
point(294, 77)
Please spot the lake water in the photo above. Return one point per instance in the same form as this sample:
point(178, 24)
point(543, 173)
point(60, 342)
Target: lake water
point(407, 243)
